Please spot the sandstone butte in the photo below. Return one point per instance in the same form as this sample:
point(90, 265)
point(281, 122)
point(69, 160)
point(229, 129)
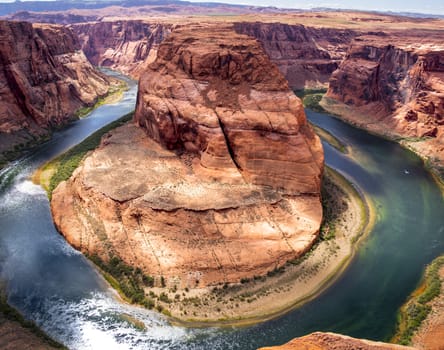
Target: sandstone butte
point(217, 179)
point(379, 78)
point(393, 84)
point(332, 341)
point(45, 79)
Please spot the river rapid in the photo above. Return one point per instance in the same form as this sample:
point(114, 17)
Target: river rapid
point(55, 286)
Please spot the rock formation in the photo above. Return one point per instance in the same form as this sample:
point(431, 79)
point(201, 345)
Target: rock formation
point(394, 84)
point(331, 341)
point(306, 56)
point(45, 80)
point(128, 46)
point(219, 180)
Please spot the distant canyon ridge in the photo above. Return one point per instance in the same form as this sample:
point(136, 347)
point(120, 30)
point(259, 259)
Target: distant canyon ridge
point(233, 165)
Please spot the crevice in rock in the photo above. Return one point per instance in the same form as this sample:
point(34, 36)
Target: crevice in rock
point(227, 142)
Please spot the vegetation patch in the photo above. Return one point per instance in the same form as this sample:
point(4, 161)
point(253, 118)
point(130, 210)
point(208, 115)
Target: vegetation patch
point(334, 204)
point(114, 94)
point(417, 307)
point(127, 280)
point(311, 98)
point(61, 168)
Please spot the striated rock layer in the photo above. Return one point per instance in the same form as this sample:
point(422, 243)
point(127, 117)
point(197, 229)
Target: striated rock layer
point(394, 84)
point(331, 341)
point(128, 46)
point(306, 56)
point(218, 181)
point(45, 80)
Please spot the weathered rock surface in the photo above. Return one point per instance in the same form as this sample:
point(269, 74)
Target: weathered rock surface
point(219, 181)
point(45, 79)
point(332, 341)
point(394, 84)
point(128, 46)
point(306, 56)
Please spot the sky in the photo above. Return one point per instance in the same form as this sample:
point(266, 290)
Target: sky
point(420, 6)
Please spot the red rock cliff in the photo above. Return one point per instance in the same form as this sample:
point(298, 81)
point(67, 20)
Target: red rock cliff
point(124, 45)
point(45, 79)
point(394, 84)
point(306, 56)
point(213, 97)
point(226, 186)
point(331, 341)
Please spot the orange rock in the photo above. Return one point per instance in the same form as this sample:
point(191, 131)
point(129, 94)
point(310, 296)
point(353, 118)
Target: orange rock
point(123, 45)
point(331, 341)
point(306, 56)
point(226, 186)
point(394, 83)
point(45, 79)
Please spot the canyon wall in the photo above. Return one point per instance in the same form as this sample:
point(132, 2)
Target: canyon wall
point(332, 341)
point(393, 84)
point(128, 46)
point(217, 180)
point(45, 79)
point(306, 56)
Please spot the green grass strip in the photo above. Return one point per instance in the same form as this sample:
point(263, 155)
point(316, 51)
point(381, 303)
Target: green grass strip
point(417, 308)
point(70, 160)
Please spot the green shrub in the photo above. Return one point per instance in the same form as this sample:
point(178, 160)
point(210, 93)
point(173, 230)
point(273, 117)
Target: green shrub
point(416, 310)
point(71, 159)
point(126, 279)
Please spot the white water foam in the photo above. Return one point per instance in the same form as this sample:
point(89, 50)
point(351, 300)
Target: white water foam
point(99, 322)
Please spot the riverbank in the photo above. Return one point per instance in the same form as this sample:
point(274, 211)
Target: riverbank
point(114, 95)
point(420, 146)
point(421, 318)
point(59, 169)
point(254, 299)
point(300, 281)
point(18, 333)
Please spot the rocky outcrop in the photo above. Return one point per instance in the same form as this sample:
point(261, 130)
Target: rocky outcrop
point(306, 56)
point(219, 180)
point(394, 84)
point(331, 341)
point(128, 46)
point(45, 80)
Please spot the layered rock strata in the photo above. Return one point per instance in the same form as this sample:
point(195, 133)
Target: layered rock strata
point(394, 84)
point(306, 56)
point(218, 181)
point(128, 46)
point(45, 79)
point(332, 341)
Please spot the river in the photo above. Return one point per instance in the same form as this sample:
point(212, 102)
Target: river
point(54, 285)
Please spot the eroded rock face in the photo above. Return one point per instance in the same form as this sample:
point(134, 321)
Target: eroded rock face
point(394, 83)
point(331, 341)
point(45, 79)
point(306, 56)
point(219, 180)
point(128, 46)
